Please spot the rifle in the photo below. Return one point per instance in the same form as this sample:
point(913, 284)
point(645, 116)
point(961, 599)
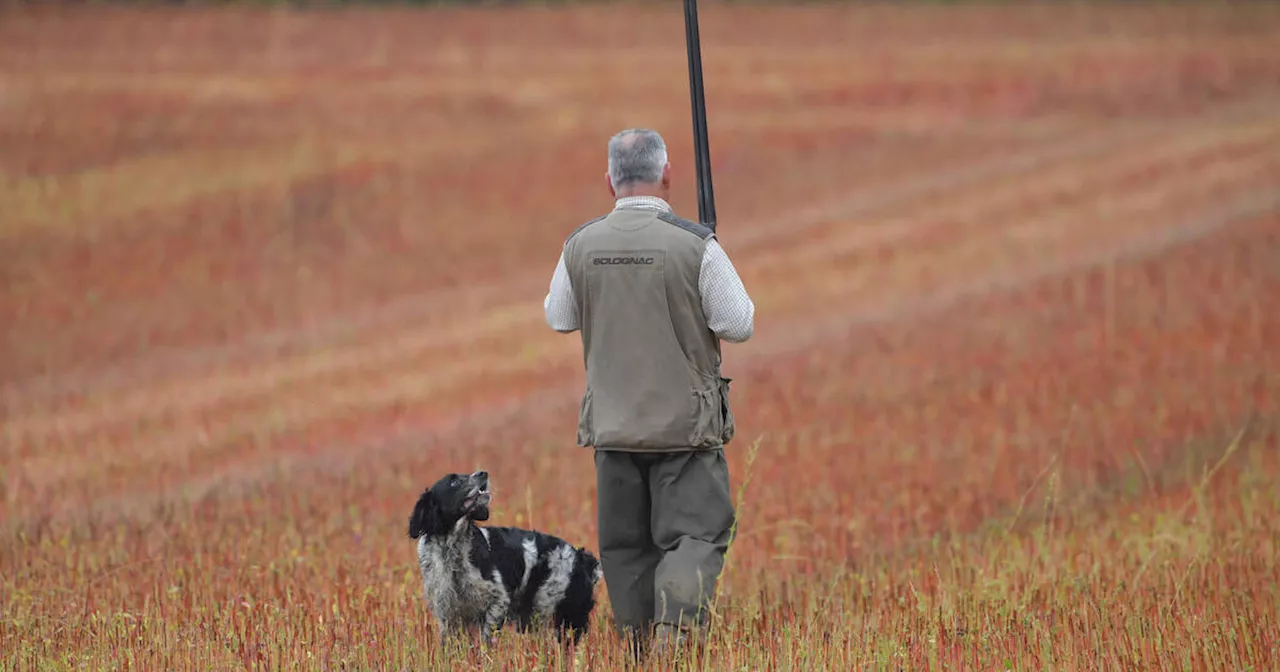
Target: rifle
point(701, 149)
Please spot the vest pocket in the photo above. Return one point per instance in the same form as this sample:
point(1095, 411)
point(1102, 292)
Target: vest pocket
point(706, 425)
point(727, 425)
point(586, 420)
point(714, 424)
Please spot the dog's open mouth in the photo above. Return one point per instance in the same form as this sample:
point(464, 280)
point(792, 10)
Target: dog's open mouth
point(479, 497)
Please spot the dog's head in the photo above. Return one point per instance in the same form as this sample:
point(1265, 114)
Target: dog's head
point(452, 498)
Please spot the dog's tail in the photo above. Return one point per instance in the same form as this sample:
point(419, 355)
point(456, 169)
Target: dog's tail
point(590, 565)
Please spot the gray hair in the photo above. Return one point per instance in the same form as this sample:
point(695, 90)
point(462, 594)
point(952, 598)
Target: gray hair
point(636, 156)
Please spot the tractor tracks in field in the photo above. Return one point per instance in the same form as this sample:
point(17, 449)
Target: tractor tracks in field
point(384, 350)
point(214, 399)
point(37, 394)
point(540, 412)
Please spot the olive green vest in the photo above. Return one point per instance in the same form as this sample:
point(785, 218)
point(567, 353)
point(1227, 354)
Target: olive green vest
point(653, 378)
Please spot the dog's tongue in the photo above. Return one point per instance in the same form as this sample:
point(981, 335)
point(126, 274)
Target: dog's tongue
point(474, 497)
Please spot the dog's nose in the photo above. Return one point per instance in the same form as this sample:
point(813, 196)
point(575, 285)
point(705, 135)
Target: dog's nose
point(480, 475)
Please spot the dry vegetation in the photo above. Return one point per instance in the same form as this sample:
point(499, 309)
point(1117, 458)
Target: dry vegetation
point(1012, 401)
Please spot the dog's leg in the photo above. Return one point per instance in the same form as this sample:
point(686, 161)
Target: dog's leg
point(569, 634)
point(493, 622)
point(452, 631)
point(495, 617)
point(447, 630)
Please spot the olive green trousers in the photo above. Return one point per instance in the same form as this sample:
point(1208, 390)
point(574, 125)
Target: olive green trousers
point(664, 526)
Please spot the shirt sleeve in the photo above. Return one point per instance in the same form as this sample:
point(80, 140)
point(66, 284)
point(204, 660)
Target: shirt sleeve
point(729, 310)
point(560, 306)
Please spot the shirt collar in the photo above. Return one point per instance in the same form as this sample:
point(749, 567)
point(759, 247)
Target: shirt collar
point(641, 203)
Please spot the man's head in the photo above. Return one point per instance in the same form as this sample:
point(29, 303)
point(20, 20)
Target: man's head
point(638, 164)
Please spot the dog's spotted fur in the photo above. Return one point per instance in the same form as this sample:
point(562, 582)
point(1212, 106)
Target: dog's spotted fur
point(475, 576)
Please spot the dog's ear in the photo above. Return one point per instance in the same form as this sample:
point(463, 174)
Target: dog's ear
point(426, 518)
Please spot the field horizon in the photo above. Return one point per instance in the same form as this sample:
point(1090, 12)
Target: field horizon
point(1011, 402)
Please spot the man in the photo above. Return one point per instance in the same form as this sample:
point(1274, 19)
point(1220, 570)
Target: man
point(653, 295)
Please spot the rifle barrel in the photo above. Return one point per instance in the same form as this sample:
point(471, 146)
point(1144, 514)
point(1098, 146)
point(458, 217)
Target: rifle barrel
point(697, 99)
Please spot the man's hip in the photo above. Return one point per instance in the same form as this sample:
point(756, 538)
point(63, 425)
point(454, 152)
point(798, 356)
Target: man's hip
point(669, 419)
point(678, 493)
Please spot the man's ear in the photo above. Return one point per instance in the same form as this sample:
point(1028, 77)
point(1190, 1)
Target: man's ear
point(666, 176)
point(426, 518)
point(609, 181)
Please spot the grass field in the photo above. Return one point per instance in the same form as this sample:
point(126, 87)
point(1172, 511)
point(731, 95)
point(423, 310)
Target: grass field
point(1012, 401)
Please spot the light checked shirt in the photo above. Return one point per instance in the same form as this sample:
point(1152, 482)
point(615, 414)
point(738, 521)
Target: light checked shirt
point(729, 310)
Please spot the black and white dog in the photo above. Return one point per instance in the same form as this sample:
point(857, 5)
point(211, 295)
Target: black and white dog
point(474, 576)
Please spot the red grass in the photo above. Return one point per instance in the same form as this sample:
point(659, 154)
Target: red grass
point(268, 272)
